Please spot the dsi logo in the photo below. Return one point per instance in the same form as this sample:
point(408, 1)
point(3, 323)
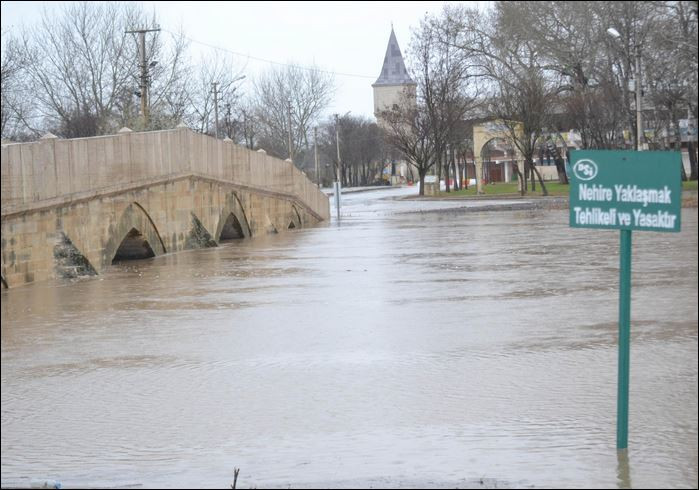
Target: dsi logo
point(585, 169)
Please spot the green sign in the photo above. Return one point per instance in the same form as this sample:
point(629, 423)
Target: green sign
point(625, 190)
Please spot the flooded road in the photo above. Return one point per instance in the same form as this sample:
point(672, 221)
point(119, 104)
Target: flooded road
point(401, 348)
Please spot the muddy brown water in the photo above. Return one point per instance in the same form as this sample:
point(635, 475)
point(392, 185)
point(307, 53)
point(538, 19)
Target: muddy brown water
point(401, 348)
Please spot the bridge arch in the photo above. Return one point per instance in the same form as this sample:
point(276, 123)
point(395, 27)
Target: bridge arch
point(294, 218)
point(233, 222)
point(134, 236)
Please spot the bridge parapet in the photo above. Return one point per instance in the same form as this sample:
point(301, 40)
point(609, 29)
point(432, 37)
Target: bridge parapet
point(60, 170)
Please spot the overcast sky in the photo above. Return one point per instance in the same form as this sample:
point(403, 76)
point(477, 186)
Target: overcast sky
point(344, 37)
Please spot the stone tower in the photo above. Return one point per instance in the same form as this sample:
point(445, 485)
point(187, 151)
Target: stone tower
point(394, 79)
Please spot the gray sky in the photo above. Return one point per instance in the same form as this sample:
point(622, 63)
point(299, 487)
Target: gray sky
point(344, 37)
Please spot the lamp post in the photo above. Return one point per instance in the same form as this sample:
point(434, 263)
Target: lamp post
point(622, 425)
point(338, 181)
point(637, 88)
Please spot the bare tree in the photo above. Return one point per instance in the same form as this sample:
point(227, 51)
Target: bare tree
point(445, 80)
point(290, 93)
point(18, 117)
point(409, 129)
point(671, 75)
point(219, 70)
point(522, 96)
point(79, 65)
point(81, 70)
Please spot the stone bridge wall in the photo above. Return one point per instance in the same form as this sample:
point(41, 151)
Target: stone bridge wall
point(68, 204)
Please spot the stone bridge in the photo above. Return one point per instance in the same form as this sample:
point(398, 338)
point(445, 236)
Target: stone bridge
point(74, 207)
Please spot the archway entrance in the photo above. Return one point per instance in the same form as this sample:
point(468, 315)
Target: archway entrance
point(134, 246)
point(489, 131)
point(498, 160)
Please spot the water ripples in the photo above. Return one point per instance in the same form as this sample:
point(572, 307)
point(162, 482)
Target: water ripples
point(393, 350)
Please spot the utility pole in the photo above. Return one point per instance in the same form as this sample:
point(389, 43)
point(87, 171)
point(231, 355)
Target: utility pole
point(315, 150)
point(228, 128)
point(338, 180)
point(215, 84)
point(245, 130)
point(288, 113)
point(144, 69)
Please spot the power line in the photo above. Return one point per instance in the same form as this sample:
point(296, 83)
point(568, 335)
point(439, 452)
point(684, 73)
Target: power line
point(271, 61)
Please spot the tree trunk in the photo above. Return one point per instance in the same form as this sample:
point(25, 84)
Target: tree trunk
point(678, 147)
point(422, 173)
point(544, 191)
point(561, 169)
point(455, 167)
point(465, 181)
point(527, 171)
point(692, 160)
point(558, 160)
point(446, 173)
point(520, 178)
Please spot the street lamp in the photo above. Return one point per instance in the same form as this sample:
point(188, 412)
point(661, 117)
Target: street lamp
point(637, 88)
point(338, 181)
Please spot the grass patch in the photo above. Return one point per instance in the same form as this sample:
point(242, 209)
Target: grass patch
point(505, 188)
point(554, 188)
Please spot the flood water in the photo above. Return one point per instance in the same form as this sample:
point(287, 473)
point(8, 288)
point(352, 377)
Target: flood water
point(405, 347)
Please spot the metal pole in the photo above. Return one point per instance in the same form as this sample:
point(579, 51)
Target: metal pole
point(245, 129)
point(144, 76)
point(315, 150)
point(288, 111)
point(338, 181)
point(622, 426)
point(639, 122)
point(215, 109)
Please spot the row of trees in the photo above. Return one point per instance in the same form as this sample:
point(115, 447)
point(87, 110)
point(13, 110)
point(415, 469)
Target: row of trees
point(543, 68)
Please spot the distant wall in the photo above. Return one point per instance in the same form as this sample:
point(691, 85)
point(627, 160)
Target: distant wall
point(548, 172)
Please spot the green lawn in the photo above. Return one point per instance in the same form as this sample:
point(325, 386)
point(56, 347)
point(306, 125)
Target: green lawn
point(501, 188)
point(554, 188)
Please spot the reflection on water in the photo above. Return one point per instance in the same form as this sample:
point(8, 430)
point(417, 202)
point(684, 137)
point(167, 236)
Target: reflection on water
point(401, 348)
point(623, 470)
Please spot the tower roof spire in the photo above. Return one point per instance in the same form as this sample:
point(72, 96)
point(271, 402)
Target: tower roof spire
point(393, 71)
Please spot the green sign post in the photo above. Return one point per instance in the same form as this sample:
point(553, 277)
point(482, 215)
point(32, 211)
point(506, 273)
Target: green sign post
point(625, 190)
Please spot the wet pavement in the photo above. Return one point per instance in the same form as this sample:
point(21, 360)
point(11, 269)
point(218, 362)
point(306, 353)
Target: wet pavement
point(401, 348)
